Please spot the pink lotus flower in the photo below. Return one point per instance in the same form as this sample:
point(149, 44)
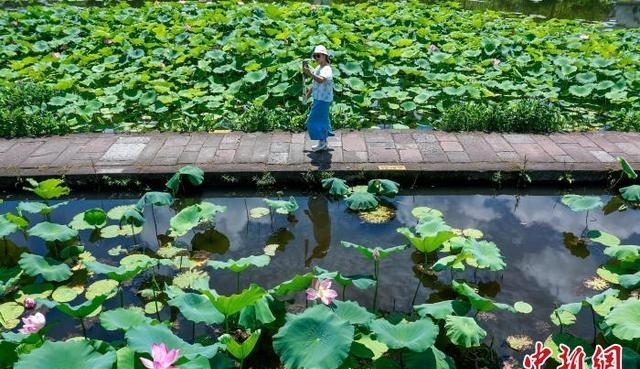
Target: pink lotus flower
point(376, 254)
point(55, 54)
point(321, 289)
point(495, 62)
point(29, 303)
point(162, 357)
point(433, 48)
point(32, 323)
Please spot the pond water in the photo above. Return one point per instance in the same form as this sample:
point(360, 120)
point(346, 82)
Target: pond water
point(533, 231)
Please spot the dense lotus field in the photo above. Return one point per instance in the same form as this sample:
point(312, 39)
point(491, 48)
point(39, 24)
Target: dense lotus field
point(199, 66)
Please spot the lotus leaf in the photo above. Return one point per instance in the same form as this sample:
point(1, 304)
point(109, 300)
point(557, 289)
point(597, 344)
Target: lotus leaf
point(35, 207)
point(194, 279)
point(522, 307)
point(107, 287)
point(478, 302)
point(416, 336)
point(240, 350)
point(117, 212)
point(566, 314)
point(432, 358)
point(297, 283)
point(361, 201)
point(352, 312)
point(283, 206)
point(95, 217)
point(366, 347)
point(587, 77)
point(630, 281)
point(316, 338)
point(197, 308)
point(133, 217)
point(78, 311)
point(259, 212)
point(229, 305)
point(464, 331)
point(9, 314)
point(48, 189)
point(6, 227)
point(257, 314)
point(383, 187)
point(424, 212)
point(155, 198)
point(627, 253)
point(631, 193)
point(49, 269)
point(579, 203)
point(192, 216)
point(624, 320)
point(123, 319)
point(153, 307)
point(442, 309)
point(66, 293)
point(627, 169)
point(603, 238)
point(55, 355)
point(484, 254)
point(336, 186)
point(241, 264)
point(581, 90)
point(553, 342)
point(141, 337)
point(368, 253)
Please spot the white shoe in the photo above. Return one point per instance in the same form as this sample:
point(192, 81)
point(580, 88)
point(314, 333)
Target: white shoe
point(319, 147)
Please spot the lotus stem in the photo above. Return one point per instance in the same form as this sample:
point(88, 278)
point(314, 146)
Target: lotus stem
point(344, 289)
point(155, 223)
point(238, 282)
point(593, 320)
point(415, 294)
point(84, 329)
point(121, 297)
point(376, 271)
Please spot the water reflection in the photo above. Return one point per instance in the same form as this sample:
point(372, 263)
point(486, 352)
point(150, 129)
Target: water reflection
point(547, 261)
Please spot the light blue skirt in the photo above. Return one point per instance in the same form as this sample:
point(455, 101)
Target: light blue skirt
point(318, 123)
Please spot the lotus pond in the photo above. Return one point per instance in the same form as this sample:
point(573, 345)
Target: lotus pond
point(348, 277)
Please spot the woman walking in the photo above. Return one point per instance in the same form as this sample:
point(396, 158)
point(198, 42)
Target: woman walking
point(318, 123)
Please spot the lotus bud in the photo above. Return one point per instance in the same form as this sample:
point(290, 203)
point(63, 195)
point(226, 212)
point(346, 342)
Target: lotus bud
point(495, 62)
point(433, 48)
point(55, 54)
point(162, 66)
point(376, 254)
point(29, 303)
point(14, 23)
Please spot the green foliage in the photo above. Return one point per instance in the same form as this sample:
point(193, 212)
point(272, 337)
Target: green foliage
point(24, 111)
point(535, 116)
point(264, 119)
point(55, 355)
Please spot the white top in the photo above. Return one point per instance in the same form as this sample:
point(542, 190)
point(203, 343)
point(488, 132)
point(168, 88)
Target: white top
point(323, 91)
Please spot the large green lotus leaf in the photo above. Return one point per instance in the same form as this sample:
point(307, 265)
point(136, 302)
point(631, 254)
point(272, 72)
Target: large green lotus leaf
point(49, 269)
point(282, 206)
point(9, 354)
point(6, 227)
point(442, 309)
point(107, 287)
point(9, 278)
point(416, 336)
point(354, 83)
point(581, 90)
point(336, 186)
point(522, 307)
point(631, 193)
point(553, 342)
point(464, 331)
point(193, 278)
point(66, 293)
point(426, 212)
point(478, 302)
point(95, 217)
point(314, 339)
point(242, 263)
point(630, 281)
point(627, 168)
point(197, 308)
point(352, 312)
point(624, 320)
point(53, 232)
point(240, 350)
point(35, 207)
point(581, 203)
point(295, 284)
point(602, 303)
point(229, 305)
point(368, 252)
point(123, 319)
point(155, 198)
point(432, 358)
point(132, 216)
point(628, 253)
point(361, 201)
point(603, 238)
point(191, 216)
point(194, 175)
point(122, 273)
point(586, 77)
point(454, 91)
point(351, 68)
point(485, 254)
point(9, 314)
point(256, 76)
point(383, 187)
point(65, 355)
point(48, 189)
point(117, 212)
point(78, 311)
point(257, 314)
point(141, 337)
point(566, 314)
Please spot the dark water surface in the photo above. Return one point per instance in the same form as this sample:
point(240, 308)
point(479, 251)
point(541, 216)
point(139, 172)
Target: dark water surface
point(530, 230)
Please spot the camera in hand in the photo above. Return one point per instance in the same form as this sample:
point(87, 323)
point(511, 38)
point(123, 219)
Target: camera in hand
point(305, 64)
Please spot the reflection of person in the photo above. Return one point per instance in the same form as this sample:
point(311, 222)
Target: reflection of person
point(318, 212)
point(318, 123)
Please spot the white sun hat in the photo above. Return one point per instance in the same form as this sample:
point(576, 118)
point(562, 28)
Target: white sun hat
point(320, 49)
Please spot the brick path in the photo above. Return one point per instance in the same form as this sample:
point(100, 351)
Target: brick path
point(447, 155)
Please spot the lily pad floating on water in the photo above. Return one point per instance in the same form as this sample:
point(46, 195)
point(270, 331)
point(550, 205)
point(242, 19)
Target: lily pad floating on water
point(55, 355)
point(379, 215)
point(258, 212)
point(579, 203)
